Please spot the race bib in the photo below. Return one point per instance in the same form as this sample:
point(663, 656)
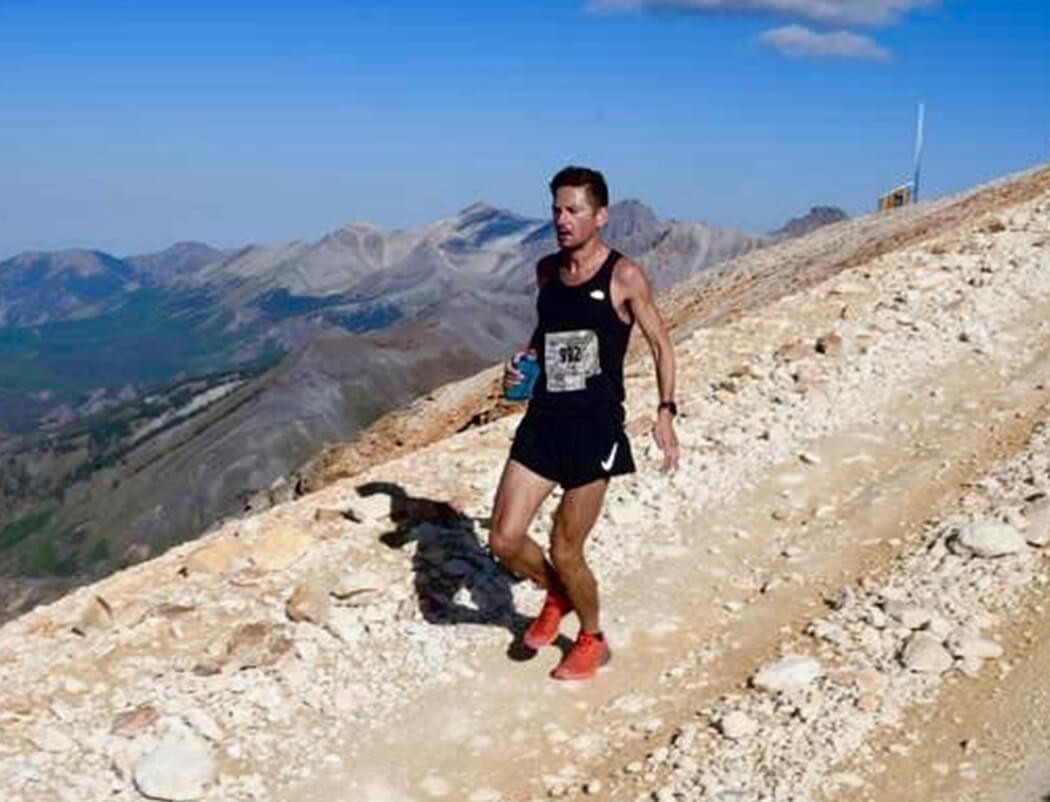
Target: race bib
point(571, 357)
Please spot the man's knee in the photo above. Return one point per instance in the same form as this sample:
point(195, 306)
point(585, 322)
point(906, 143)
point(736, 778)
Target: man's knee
point(504, 543)
point(566, 555)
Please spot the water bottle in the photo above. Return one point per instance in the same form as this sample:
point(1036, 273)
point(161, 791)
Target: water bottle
point(529, 366)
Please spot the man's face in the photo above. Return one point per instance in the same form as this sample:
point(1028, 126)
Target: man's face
point(576, 221)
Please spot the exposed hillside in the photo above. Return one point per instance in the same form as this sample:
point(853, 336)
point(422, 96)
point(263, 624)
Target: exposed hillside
point(840, 595)
point(82, 331)
point(113, 495)
point(177, 262)
point(39, 287)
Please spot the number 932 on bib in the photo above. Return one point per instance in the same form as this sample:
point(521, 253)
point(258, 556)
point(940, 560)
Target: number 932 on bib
point(570, 358)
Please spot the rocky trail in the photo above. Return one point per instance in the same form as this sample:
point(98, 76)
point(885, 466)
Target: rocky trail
point(841, 594)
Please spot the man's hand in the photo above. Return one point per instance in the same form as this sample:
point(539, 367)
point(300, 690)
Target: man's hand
point(663, 433)
point(511, 375)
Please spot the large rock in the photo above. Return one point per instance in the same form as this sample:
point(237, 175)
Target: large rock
point(257, 645)
point(279, 548)
point(329, 515)
point(371, 508)
point(309, 603)
point(132, 723)
point(212, 558)
point(347, 626)
point(180, 768)
point(970, 645)
point(203, 724)
point(829, 344)
point(925, 654)
point(96, 616)
point(737, 725)
point(907, 615)
point(359, 587)
point(987, 539)
point(52, 739)
point(790, 351)
point(1038, 516)
point(790, 673)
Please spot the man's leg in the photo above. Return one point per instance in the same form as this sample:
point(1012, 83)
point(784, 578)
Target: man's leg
point(520, 493)
point(573, 521)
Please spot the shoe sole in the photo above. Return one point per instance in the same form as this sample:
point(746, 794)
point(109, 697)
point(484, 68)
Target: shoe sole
point(535, 644)
point(569, 678)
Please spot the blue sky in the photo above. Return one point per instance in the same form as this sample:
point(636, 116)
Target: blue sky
point(129, 125)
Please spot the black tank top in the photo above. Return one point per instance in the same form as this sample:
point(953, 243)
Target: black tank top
point(581, 343)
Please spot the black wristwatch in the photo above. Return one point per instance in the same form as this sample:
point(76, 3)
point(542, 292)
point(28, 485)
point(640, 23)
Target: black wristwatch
point(670, 406)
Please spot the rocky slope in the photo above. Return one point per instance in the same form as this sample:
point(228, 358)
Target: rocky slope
point(845, 580)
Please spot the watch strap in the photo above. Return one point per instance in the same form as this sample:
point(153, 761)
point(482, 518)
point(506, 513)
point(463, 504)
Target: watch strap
point(670, 406)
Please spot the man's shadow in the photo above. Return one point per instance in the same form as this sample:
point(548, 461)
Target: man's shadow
point(456, 579)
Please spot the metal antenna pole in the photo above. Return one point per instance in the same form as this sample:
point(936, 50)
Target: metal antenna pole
point(918, 154)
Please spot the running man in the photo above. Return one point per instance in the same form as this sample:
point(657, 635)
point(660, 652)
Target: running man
point(572, 433)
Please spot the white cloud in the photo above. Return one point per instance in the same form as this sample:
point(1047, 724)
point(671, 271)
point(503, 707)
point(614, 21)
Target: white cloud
point(797, 40)
point(825, 12)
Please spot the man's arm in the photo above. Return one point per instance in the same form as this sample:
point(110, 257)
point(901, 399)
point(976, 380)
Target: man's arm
point(638, 296)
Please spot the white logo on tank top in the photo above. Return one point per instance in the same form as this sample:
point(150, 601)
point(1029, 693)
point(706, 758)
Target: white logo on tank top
point(598, 295)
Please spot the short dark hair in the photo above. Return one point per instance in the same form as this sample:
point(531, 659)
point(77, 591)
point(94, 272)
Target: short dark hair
point(591, 180)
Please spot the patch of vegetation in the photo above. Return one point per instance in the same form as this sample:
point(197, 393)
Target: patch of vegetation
point(15, 480)
point(103, 440)
point(51, 555)
point(379, 316)
point(99, 551)
point(43, 560)
point(108, 433)
point(19, 530)
point(280, 304)
point(152, 336)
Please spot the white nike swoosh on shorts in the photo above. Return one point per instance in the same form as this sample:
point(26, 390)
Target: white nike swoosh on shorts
point(608, 463)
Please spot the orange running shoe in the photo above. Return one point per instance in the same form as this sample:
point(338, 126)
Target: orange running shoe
point(544, 627)
point(586, 656)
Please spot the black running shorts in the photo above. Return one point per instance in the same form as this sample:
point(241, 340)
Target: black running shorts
point(572, 450)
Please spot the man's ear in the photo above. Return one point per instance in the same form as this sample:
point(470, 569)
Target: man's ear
point(602, 217)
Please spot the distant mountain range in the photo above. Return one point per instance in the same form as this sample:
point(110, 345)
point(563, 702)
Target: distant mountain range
point(82, 330)
point(122, 451)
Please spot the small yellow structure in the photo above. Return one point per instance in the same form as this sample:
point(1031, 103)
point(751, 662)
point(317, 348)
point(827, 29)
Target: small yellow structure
point(895, 198)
